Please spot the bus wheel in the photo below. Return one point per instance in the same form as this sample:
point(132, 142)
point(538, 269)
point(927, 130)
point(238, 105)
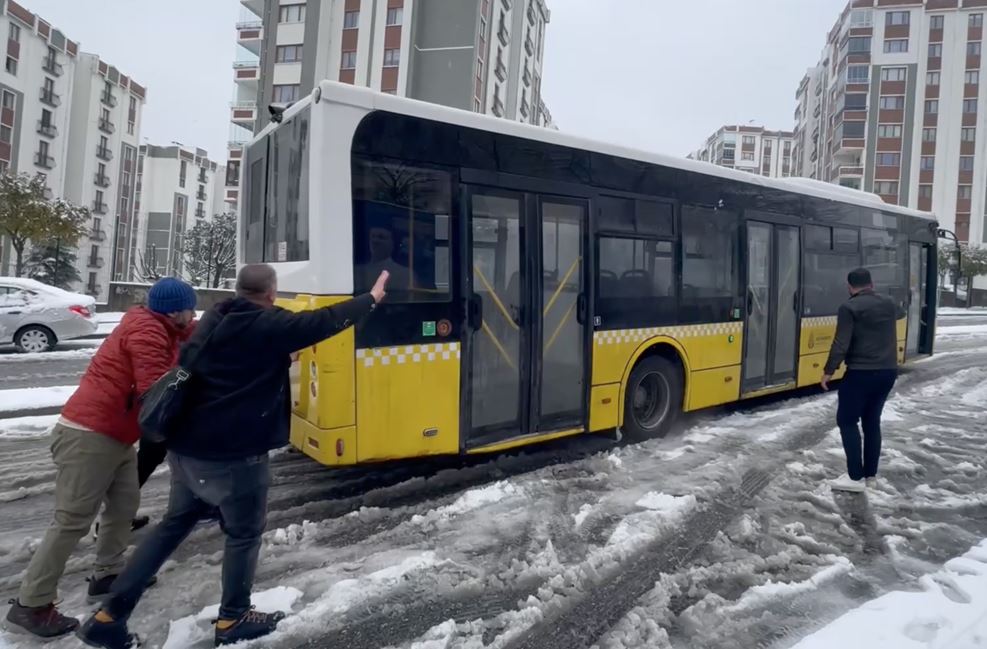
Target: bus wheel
point(654, 398)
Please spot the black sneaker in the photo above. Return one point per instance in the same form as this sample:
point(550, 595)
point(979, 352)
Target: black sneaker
point(252, 624)
point(41, 621)
point(99, 589)
point(107, 635)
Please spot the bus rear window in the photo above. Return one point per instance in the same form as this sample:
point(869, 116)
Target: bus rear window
point(401, 225)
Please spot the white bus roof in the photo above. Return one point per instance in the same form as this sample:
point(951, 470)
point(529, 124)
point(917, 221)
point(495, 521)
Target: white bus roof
point(343, 93)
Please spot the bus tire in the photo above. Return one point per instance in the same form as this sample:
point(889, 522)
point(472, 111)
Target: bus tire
point(653, 401)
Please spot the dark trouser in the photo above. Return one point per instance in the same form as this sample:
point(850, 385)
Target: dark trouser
point(239, 489)
point(149, 457)
point(862, 397)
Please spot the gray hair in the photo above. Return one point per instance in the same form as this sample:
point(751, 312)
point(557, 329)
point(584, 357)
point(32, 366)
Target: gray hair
point(255, 280)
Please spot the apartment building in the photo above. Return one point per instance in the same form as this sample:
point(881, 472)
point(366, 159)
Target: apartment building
point(750, 148)
point(479, 55)
point(894, 107)
point(75, 119)
point(177, 187)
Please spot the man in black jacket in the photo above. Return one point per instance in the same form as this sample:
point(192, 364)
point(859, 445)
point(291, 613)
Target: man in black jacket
point(867, 340)
point(238, 410)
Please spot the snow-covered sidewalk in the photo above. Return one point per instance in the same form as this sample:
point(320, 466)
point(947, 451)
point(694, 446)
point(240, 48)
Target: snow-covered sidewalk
point(30, 398)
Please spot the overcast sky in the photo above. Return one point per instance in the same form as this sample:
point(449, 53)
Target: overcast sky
point(660, 75)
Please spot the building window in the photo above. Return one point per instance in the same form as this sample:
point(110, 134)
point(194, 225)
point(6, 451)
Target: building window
point(896, 45)
point(392, 58)
point(182, 173)
point(972, 77)
point(964, 192)
point(897, 17)
point(747, 155)
point(969, 105)
point(348, 61)
point(395, 16)
point(886, 188)
point(8, 100)
point(896, 102)
point(931, 106)
point(933, 78)
point(966, 163)
point(285, 94)
point(894, 74)
point(976, 20)
point(858, 45)
point(288, 54)
point(928, 135)
point(11, 66)
point(861, 18)
point(748, 139)
point(15, 33)
point(935, 50)
point(889, 130)
point(968, 135)
point(130, 128)
point(6, 134)
point(888, 159)
point(973, 49)
point(858, 74)
point(925, 191)
point(936, 22)
point(928, 163)
point(351, 20)
point(292, 14)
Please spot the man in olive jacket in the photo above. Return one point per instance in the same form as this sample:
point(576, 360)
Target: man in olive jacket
point(867, 341)
point(238, 410)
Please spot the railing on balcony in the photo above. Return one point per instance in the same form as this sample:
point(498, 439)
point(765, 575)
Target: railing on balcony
point(97, 234)
point(48, 130)
point(95, 262)
point(249, 24)
point(44, 160)
point(200, 195)
point(52, 67)
point(93, 289)
point(50, 97)
point(100, 208)
point(106, 126)
point(102, 180)
point(104, 153)
point(849, 170)
point(246, 63)
point(109, 99)
point(200, 213)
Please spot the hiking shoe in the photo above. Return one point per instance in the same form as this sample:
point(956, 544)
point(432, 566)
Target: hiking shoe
point(107, 635)
point(845, 483)
point(252, 624)
point(41, 621)
point(99, 589)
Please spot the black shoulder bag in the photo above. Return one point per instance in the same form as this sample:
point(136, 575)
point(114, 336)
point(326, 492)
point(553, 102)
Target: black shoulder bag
point(163, 405)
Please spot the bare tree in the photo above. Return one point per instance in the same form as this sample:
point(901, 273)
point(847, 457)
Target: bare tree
point(146, 266)
point(210, 251)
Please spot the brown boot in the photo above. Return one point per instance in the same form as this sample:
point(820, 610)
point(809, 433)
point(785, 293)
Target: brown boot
point(41, 621)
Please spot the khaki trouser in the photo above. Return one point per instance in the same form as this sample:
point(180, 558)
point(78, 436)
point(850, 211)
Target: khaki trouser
point(92, 469)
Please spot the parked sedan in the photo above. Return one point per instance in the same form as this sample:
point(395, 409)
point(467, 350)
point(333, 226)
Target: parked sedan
point(35, 316)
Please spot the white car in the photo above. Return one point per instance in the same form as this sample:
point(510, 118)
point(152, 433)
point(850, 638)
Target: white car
point(35, 316)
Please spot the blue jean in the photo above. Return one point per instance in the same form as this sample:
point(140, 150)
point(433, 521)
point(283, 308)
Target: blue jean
point(862, 397)
point(239, 489)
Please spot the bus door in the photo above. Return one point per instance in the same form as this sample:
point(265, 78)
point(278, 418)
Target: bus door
point(772, 320)
point(918, 307)
point(525, 367)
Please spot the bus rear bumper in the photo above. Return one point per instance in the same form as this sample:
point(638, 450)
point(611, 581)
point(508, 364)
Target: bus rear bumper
point(332, 447)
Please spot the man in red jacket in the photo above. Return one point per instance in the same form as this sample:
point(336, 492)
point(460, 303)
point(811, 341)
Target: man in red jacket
point(93, 449)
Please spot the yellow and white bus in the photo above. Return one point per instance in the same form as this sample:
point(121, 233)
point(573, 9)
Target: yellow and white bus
point(543, 285)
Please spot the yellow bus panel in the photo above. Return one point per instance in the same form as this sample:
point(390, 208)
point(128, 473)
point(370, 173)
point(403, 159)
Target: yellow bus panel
point(407, 401)
point(604, 407)
point(712, 387)
point(335, 447)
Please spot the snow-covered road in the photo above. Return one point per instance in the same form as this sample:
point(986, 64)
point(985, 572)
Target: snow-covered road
point(723, 535)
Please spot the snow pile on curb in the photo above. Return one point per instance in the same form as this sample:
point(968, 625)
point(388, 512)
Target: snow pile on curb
point(950, 612)
point(27, 398)
point(27, 427)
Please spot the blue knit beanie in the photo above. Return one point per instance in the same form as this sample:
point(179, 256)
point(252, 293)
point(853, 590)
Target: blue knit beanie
point(170, 295)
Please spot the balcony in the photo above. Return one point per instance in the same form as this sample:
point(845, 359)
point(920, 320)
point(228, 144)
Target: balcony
point(202, 177)
point(50, 98)
point(101, 180)
point(200, 195)
point(108, 98)
point(200, 213)
point(97, 234)
point(94, 262)
point(250, 35)
point(52, 67)
point(100, 208)
point(104, 153)
point(48, 130)
point(849, 171)
point(250, 24)
point(44, 160)
point(243, 113)
point(106, 126)
point(246, 72)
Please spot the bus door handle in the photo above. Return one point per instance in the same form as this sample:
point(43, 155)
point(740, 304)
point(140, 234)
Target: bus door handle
point(581, 303)
point(474, 312)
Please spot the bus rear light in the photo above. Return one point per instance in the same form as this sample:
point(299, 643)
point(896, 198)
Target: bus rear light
point(339, 448)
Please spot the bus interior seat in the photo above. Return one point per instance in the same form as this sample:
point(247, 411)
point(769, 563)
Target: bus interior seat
point(636, 283)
